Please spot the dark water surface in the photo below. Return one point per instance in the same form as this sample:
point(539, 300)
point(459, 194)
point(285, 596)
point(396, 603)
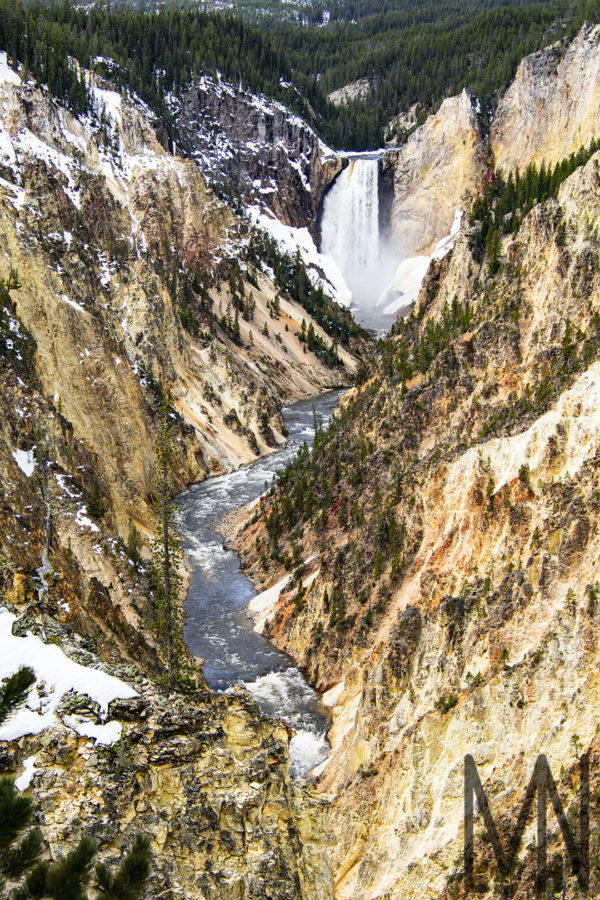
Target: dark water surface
point(218, 626)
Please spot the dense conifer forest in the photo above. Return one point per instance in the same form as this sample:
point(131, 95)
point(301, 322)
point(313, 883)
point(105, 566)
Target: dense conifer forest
point(412, 51)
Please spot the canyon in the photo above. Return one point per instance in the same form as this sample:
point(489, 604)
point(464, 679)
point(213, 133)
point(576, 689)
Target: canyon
point(431, 565)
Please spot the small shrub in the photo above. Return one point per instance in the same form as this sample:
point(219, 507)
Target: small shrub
point(446, 702)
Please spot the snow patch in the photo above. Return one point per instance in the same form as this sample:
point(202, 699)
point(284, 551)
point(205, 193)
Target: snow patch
point(322, 270)
point(24, 780)
point(59, 674)
point(25, 461)
point(261, 606)
point(7, 75)
point(72, 303)
point(107, 734)
point(83, 521)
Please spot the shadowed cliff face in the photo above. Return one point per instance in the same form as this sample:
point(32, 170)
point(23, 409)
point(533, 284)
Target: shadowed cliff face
point(451, 606)
point(261, 152)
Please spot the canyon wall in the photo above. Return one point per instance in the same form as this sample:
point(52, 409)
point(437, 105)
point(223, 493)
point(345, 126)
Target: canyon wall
point(132, 276)
point(550, 110)
point(440, 166)
point(115, 240)
point(448, 604)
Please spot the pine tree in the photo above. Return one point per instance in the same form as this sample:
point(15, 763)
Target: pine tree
point(166, 576)
point(133, 544)
point(131, 877)
point(14, 693)
point(55, 503)
point(235, 328)
point(15, 810)
point(494, 250)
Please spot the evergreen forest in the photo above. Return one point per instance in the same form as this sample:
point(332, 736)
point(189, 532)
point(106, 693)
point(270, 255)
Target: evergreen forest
point(411, 52)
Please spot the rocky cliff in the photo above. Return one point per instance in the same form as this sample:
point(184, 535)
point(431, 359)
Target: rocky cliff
point(206, 777)
point(450, 606)
point(552, 107)
point(441, 164)
point(549, 111)
point(255, 147)
point(120, 245)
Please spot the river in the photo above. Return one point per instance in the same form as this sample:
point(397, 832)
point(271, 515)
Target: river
point(218, 626)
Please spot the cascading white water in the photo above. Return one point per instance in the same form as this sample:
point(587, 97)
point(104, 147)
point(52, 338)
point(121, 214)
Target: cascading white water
point(350, 234)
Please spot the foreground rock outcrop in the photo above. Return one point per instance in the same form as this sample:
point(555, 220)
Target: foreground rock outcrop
point(206, 777)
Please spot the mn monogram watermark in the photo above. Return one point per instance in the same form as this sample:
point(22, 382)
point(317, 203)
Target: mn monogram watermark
point(543, 787)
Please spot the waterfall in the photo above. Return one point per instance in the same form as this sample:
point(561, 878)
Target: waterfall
point(350, 233)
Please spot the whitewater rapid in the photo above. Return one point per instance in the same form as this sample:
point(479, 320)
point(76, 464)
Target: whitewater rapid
point(218, 626)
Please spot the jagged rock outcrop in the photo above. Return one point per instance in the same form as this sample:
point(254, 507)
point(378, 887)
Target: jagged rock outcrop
point(443, 161)
point(258, 149)
point(206, 777)
point(451, 603)
point(552, 108)
point(356, 90)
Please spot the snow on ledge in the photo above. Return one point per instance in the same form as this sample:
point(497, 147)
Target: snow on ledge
point(107, 734)
point(24, 780)
point(262, 605)
point(60, 675)
point(7, 75)
point(322, 270)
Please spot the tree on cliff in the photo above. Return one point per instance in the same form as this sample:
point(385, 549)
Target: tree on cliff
point(69, 878)
point(166, 578)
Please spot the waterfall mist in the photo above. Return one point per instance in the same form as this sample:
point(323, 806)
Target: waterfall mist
point(350, 235)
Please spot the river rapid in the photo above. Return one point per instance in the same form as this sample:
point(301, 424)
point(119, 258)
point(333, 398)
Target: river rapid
point(218, 626)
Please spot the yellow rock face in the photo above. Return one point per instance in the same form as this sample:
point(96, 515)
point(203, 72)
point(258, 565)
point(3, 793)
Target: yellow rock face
point(552, 108)
point(442, 161)
point(486, 643)
point(99, 233)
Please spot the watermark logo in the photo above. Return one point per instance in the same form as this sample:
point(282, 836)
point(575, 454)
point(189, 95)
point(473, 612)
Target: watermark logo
point(542, 786)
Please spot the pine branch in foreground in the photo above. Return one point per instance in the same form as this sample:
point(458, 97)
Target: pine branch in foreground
point(14, 693)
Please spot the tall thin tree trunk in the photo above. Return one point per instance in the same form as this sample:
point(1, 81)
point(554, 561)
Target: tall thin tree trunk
point(167, 562)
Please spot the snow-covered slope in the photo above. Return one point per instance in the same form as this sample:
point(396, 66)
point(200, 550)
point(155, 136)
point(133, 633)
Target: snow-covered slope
point(56, 675)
